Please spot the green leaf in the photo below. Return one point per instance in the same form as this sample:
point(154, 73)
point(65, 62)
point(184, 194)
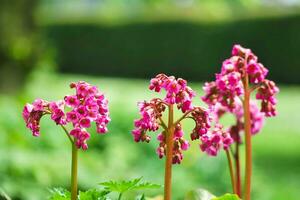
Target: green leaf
point(199, 194)
point(146, 185)
point(124, 186)
point(141, 197)
point(93, 194)
point(3, 195)
point(227, 197)
point(59, 194)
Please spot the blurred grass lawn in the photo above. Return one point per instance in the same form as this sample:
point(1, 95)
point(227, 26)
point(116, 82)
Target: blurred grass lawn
point(29, 166)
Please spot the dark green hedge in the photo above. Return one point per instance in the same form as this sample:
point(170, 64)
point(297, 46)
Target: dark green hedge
point(190, 50)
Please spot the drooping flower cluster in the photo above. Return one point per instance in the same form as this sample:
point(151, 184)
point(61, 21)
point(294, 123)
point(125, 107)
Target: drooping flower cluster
point(229, 83)
point(32, 114)
point(215, 140)
point(266, 93)
point(180, 144)
point(257, 119)
point(87, 105)
point(179, 94)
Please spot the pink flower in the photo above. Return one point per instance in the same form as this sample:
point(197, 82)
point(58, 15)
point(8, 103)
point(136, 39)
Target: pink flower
point(202, 120)
point(155, 84)
point(38, 104)
point(57, 112)
point(266, 92)
point(72, 117)
point(26, 111)
point(75, 132)
point(72, 100)
point(88, 105)
point(81, 110)
point(173, 87)
point(212, 93)
point(228, 86)
point(215, 140)
point(32, 114)
point(178, 94)
point(178, 133)
point(85, 122)
point(185, 145)
point(101, 128)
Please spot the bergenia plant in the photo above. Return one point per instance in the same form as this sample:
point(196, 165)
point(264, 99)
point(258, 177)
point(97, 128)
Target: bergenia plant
point(171, 137)
point(240, 76)
point(75, 112)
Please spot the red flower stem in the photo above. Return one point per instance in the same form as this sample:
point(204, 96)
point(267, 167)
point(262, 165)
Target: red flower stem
point(238, 169)
point(233, 183)
point(247, 124)
point(169, 155)
point(74, 172)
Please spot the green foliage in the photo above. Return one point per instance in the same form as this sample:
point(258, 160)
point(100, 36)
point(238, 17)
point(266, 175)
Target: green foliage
point(60, 194)
point(125, 186)
point(93, 194)
point(141, 197)
point(110, 186)
point(227, 197)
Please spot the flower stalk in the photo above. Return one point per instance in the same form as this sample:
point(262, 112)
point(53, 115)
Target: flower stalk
point(169, 155)
point(238, 170)
point(87, 105)
point(232, 176)
point(74, 169)
point(171, 139)
point(248, 145)
point(240, 75)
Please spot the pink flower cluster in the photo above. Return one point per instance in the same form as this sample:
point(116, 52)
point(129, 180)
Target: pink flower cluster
point(243, 65)
point(87, 105)
point(215, 140)
point(32, 114)
point(180, 144)
point(266, 93)
point(151, 116)
point(202, 123)
point(177, 91)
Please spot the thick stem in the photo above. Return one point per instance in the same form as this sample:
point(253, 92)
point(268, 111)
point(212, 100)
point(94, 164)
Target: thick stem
point(238, 169)
point(169, 155)
point(247, 126)
point(74, 172)
point(233, 183)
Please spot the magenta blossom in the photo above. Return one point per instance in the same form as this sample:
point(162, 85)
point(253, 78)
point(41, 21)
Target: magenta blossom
point(177, 94)
point(241, 66)
point(86, 106)
point(225, 94)
point(215, 140)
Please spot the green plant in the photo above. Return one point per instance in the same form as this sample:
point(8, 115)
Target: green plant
point(126, 186)
point(120, 187)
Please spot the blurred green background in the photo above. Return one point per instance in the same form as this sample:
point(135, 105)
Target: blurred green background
point(119, 45)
